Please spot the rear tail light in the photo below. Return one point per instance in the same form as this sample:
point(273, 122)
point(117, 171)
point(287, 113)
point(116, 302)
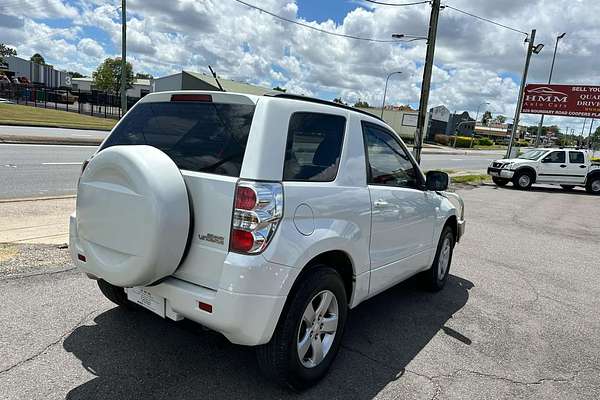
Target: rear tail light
point(256, 215)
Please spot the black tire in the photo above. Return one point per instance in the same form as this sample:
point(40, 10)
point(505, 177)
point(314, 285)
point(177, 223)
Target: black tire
point(593, 185)
point(519, 184)
point(500, 181)
point(114, 293)
point(431, 278)
point(568, 187)
point(279, 359)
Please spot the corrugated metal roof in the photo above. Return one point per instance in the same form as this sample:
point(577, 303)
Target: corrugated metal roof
point(231, 86)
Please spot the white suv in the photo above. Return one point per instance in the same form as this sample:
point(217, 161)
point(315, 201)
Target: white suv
point(263, 218)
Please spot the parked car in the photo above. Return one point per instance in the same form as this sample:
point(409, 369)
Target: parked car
point(565, 167)
point(263, 218)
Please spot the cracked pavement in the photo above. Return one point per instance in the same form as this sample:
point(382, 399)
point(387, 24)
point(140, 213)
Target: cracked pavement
point(519, 318)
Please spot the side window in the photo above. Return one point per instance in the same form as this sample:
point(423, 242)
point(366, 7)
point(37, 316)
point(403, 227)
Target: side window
point(576, 157)
point(388, 163)
point(555, 157)
point(314, 146)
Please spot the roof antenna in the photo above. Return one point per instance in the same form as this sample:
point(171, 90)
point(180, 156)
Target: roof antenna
point(216, 79)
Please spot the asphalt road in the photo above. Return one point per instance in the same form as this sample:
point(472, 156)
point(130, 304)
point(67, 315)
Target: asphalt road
point(53, 170)
point(40, 170)
point(518, 319)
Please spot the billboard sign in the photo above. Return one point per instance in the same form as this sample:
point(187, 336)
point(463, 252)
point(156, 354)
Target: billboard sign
point(562, 100)
point(409, 119)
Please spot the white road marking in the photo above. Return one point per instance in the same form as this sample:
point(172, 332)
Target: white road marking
point(457, 159)
point(62, 163)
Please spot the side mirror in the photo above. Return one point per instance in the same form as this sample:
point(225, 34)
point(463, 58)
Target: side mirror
point(437, 181)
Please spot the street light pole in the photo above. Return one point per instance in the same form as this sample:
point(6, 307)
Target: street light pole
point(123, 58)
point(539, 132)
point(385, 90)
point(475, 125)
point(531, 48)
point(425, 85)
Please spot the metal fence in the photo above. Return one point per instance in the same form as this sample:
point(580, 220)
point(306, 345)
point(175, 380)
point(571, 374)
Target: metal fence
point(95, 103)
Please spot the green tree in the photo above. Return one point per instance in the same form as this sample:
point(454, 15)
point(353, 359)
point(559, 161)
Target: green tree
point(361, 104)
point(37, 58)
point(140, 75)
point(6, 51)
point(279, 89)
point(339, 101)
point(500, 119)
point(108, 75)
point(487, 117)
point(75, 74)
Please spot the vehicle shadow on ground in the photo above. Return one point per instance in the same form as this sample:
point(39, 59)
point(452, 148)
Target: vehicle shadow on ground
point(580, 191)
point(135, 354)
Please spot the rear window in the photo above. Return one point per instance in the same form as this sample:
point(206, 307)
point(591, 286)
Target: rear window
point(198, 136)
point(314, 146)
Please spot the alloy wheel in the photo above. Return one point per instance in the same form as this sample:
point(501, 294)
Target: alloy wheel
point(444, 259)
point(317, 329)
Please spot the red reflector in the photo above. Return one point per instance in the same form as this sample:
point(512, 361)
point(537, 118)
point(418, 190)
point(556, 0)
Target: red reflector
point(192, 97)
point(241, 240)
point(205, 307)
point(245, 198)
point(81, 257)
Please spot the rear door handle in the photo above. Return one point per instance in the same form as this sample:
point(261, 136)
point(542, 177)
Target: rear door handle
point(381, 203)
point(563, 166)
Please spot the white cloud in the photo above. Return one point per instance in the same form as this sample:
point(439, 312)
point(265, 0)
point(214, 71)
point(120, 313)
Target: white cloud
point(90, 48)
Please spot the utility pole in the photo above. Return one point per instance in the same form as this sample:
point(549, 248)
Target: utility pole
point(539, 132)
point(427, 69)
point(123, 58)
point(530, 49)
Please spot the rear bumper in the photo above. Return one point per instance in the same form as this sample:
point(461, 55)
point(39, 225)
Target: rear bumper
point(500, 173)
point(242, 318)
point(245, 308)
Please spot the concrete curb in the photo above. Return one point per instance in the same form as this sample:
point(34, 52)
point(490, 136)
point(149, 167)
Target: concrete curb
point(11, 139)
point(4, 201)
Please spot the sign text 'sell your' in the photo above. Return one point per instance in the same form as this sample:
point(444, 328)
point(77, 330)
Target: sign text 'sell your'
point(562, 100)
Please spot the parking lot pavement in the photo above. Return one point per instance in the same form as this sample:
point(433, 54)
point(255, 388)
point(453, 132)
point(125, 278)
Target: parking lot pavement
point(519, 318)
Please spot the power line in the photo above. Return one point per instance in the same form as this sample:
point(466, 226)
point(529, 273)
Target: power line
point(322, 30)
point(397, 4)
point(485, 19)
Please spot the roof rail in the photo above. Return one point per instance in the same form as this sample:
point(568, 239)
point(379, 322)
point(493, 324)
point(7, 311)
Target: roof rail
point(319, 101)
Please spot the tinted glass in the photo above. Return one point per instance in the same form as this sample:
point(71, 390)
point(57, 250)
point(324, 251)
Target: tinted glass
point(555, 157)
point(206, 137)
point(576, 157)
point(387, 162)
point(314, 146)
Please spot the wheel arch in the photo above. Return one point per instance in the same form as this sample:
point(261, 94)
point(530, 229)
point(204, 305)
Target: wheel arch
point(527, 169)
point(339, 260)
point(452, 222)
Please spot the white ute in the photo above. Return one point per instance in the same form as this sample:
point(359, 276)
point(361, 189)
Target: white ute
point(565, 167)
point(263, 218)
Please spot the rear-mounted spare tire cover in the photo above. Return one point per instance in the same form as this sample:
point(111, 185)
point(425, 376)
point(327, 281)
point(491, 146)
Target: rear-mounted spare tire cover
point(133, 215)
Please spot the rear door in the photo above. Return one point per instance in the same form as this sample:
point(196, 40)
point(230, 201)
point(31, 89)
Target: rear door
point(576, 167)
point(553, 167)
point(403, 214)
point(205, 135)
